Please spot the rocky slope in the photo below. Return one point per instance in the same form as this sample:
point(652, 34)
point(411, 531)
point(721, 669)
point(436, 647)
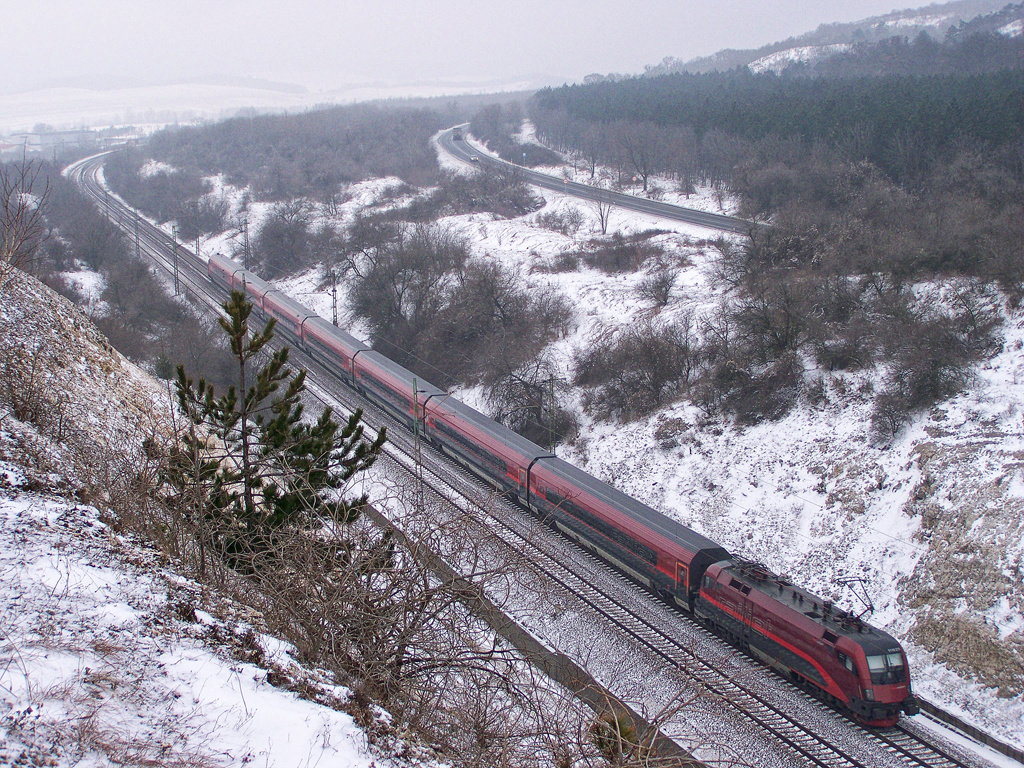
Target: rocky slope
point(74, 408)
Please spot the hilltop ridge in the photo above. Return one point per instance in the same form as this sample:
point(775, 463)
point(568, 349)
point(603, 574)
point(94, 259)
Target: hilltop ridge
point(935, 20)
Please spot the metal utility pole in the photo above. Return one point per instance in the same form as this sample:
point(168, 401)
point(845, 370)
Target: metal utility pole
point(551, 413)
point(334, 296)
point(245, 242)
point(547, 417)
point(416, 442)
point(138, 250)
point(174, 241)
point(197, 246)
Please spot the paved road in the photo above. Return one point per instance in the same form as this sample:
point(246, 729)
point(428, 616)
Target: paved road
point(462, 151)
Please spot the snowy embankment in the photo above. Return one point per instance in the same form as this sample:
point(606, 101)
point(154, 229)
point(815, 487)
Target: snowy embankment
point(107, 657)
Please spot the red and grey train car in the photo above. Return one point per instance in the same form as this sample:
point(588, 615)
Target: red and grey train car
point(671, 560)
point(805, 638)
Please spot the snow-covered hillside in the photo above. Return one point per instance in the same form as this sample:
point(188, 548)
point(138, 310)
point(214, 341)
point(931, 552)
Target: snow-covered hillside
point(107, 657)
point(935, 20)
point(931, 522)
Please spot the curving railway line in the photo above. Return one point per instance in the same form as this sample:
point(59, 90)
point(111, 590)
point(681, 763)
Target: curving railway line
point(805, 732)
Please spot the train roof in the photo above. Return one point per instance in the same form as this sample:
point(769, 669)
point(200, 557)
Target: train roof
point(650, 518)
point(281, 298)
point(839, 622)
point(224, 261)
point(653, 520)
point(526, 448)
point(424, 387)
point(350, 341)
point(251, 278)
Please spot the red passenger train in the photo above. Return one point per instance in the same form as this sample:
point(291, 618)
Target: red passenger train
point(853, 665)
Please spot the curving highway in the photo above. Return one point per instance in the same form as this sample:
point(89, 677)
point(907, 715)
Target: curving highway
point(464, 152)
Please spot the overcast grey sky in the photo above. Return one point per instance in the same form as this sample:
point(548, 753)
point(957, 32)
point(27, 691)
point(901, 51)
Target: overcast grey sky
point(323, 44)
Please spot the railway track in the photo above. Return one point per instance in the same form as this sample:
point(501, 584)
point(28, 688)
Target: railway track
point(696, 653)
point(663, 640)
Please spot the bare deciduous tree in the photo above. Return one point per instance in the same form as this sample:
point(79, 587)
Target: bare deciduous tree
point(601, 204)
point(643, 148)
point(657, 286)
point(22, 215)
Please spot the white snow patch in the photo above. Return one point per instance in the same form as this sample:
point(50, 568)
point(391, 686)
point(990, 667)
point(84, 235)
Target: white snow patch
point(1015, 488)
point(89, 284)
point(780, 60)
point(1013, 29)
point(919, 21)
point(527, 133)
point(155, 168)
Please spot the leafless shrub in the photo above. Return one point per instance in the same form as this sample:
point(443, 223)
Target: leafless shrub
point(502, 191)
point(930, 360)
point(640, 369)
point(816, 391)
point(567, 222)
point(530, 401)
point(29, 388)
point(566, 261)
point(657, 286)
point(447, 317)
point(283, 244)
point(621, 253)
point(751, 393)
point(201, 215)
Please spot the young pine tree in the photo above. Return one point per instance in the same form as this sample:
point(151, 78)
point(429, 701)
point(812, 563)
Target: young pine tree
point(249, 466)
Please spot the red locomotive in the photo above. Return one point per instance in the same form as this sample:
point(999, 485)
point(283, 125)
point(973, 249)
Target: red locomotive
point(853, 665)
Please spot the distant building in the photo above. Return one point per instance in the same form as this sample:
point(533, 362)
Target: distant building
point(49, 142)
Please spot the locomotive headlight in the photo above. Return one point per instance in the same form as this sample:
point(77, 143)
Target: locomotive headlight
point(869, 694)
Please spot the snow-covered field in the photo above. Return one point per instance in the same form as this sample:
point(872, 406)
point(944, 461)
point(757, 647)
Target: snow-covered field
point(76, 107)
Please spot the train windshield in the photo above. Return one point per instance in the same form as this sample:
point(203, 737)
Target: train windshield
point(887, 669)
